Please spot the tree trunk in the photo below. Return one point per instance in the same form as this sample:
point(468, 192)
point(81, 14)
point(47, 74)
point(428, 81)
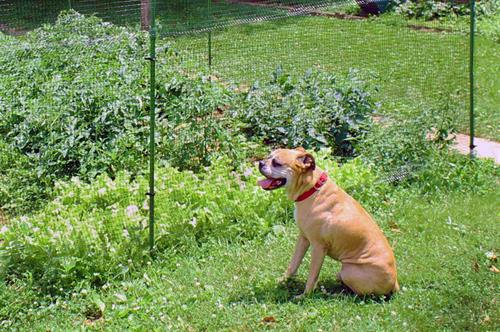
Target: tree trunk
point(145, 14)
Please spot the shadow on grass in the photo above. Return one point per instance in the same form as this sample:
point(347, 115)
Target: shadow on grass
point(283, 292)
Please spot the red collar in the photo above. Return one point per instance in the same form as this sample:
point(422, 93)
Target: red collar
point(321, 181)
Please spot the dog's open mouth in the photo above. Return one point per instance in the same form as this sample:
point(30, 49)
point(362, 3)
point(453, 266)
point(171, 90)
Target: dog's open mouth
point(271, 184)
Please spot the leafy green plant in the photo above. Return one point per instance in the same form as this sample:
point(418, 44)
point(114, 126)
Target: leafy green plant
point(488, 8)
point(194, 125)
point(97, 231)
point(448, 171)
point(490, 26)
point(74, 102)
point(418, 149)
point(406, 140)
point(315, 111)
point(21, 190)
point(94, 233)
point(72, 95)
point(430, 9)
point(436, 9)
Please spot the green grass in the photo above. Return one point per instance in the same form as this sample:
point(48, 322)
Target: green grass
point(417, 69)
point(440, 245)
point(488, 88)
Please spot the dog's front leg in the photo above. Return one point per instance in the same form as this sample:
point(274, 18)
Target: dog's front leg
point(317, 257)
point(300, 250)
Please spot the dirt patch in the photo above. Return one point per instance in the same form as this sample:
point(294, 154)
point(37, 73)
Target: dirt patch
point(341, 16)
point(5, 28)
point(298, 9)
point(428, 29)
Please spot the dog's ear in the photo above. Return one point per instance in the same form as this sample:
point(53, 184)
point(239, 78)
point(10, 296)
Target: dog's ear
point(306, 162)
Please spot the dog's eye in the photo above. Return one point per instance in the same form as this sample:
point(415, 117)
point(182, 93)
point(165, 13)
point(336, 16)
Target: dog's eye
point(275, 163)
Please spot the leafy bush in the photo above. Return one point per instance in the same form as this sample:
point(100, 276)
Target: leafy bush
point(490, 27)
point(430, 9)
point(97, 232)
point(417, 148)
point(314, 111)
point(71, 97)
point(406, 140)
point(449, 171)
point(488, 8)
point(194, 127)
point(435, 9)
point(74, 102)
point(20, 189)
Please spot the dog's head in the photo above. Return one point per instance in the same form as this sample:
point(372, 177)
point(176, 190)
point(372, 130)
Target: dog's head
point(286, 168)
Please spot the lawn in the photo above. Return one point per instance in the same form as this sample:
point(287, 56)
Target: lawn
point(441, 244)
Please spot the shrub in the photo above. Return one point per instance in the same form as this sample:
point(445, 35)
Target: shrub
point(406, 141)
point(490, 27)
point(448, 171)
point(20, 188)
point(194, 125)
point(74, 102)
point(435, 9)
point(429, 9)
point(71, 96)
point(417, 148)
point(97, 232)
point(488, 8)
point(314, 111)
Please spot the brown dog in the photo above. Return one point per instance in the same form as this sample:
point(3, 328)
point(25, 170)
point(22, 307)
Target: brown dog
point(333, 223)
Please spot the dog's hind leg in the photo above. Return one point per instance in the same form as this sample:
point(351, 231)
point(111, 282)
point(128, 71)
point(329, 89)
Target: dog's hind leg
point(367, 280)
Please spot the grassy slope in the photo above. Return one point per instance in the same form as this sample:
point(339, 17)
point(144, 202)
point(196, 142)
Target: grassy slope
point(413, 68)
point(442, 264)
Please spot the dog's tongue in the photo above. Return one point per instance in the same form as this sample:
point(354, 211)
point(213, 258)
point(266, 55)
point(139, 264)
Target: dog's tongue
point(265, 183)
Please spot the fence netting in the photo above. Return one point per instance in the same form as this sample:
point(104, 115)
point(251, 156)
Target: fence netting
point(245, 40)
point(412, 68)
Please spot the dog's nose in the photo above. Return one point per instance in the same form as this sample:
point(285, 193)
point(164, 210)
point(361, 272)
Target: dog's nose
point(261, 164)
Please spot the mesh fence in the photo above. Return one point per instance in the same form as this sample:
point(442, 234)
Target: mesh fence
point(413, 67)
point(246, 40)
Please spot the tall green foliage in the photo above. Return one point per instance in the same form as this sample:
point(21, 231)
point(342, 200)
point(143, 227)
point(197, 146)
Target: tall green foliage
point(74, 102)
point(317, 110)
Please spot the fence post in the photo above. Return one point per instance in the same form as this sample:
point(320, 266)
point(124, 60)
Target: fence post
point(210, 52)
point(210, 38)
point(152, 96)
point(471, 75)
point(145, 15)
